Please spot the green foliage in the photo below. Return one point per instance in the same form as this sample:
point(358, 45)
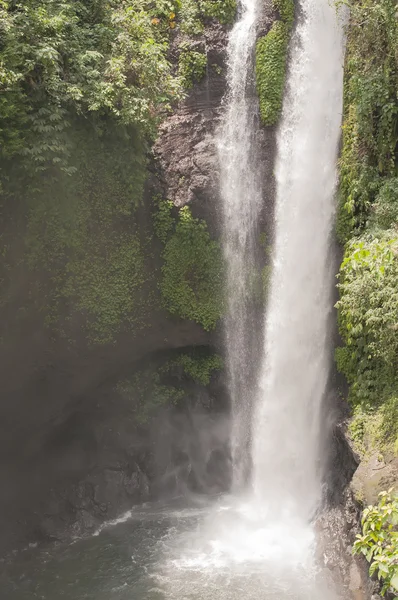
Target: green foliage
point(191, 13)
point(368, 223)
point(168, 383)
point(368, 317)
point(146, 393)
point(62, 59)
point(83, 85)
point(370, 130)
point(190, 17)
point(198, 366)
point(163, 218)
point(82, 245)
point(222, 10)
point(379, 540)
point(191, 66)
point(385, 209)
point(286, 10)
point(271, 63)
point(191, 286)
point(375, 428)
point(105, 284)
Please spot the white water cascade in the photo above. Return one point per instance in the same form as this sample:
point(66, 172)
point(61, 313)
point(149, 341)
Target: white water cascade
point(242, 199)
point(288, 430)
point(260, 542)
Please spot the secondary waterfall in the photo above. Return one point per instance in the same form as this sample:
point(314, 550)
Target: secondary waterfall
point(242, 199)
point(287, 426)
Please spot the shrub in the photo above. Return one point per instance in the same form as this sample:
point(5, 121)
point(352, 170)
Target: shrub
point(222, 10)
point(379, 540)
point(368, 318)
point(191, 66)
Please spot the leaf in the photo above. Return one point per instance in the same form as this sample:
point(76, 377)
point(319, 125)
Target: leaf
point(394, 581)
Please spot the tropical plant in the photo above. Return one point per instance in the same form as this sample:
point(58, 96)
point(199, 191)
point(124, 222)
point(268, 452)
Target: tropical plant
point(379, 540)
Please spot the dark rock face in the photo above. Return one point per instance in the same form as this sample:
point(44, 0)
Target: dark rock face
point(336, 529)
point(54, 430)
point(185, 150)
point(340, 521)
point(341, 466)
point(100, 462)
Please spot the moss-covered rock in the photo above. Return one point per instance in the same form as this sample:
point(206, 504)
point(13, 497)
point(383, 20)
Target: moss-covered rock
point(192, 281)
point(271, 63)
point(169, 382)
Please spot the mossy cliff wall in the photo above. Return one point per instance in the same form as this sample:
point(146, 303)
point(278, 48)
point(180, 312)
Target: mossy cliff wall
point(271, 62)
point(111, 285)
point(111, 273)
point(368, 228)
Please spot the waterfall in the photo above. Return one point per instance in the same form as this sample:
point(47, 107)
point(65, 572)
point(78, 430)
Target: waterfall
point(241, 204)
point(287, 428)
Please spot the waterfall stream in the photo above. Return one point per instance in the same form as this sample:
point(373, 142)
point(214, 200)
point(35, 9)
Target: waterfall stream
point(241, 194)
point(287, 432)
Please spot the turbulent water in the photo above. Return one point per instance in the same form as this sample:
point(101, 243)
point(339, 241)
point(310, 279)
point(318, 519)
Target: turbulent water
point(210, 551)
point(260, 545)
point(241, 200)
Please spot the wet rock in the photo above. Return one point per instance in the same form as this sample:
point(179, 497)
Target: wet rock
point(374, 475)
point(137, 485)
point(188, 159)
point(85, 523)
point(337, 528)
